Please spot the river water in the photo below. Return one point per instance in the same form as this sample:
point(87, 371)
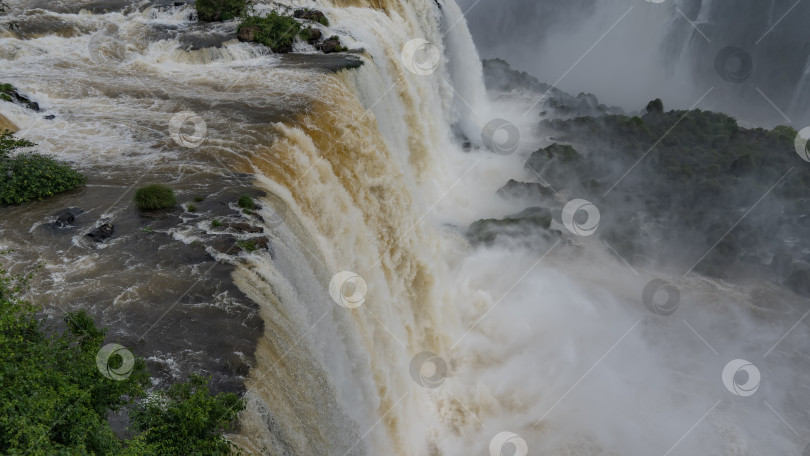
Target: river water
point(361, 170)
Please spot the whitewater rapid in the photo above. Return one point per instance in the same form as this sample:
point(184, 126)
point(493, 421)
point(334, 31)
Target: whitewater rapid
point(364, 171)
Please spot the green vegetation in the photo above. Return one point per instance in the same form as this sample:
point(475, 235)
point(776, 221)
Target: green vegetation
point(199, 199)
point(689, 176)
point(216, 223)
point(191, 208)
point(30, 176)
point(5, 92)
point(54, 400)
point(274, 31)
point(247, 246)
point(338, 47)
point(220, 10)
point(246, 202)
point(153, 197)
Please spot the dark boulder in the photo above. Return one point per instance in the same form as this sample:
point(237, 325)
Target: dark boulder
point(330, 45)
point(311, 15)
point(262, 243)
point(312, 35)
point(515, 189)
point(65, 220)
point(247, 33)
point(10, 93)
point(101, 233)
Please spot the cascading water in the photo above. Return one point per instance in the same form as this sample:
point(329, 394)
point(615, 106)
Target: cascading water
point(660, 49)
point(362, 170)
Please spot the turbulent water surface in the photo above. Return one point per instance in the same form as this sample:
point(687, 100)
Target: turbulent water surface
point(364, 170)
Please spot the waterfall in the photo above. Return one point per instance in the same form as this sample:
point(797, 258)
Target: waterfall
point(362, 171)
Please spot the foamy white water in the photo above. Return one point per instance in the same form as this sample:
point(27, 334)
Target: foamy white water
point(365, 172)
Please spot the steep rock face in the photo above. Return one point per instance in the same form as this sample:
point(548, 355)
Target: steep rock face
point(657, 51)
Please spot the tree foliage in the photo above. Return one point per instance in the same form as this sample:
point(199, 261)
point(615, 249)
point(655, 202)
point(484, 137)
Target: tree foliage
point(274, 31)
point(219, 10)
point(54, 399)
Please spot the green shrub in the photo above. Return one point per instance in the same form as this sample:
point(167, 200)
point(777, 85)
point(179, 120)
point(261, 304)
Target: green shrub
point(5, 92)
point(199, 199)
point(154, 196)
point(216, 223)
point(247, 246)
point(191, 208)
point(31, 176)
point(275, 31)
point(219, 10)
point(246, 202)
point(186, 419)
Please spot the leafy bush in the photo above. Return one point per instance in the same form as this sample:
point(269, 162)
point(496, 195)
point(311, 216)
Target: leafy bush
point(274, 31)
point(246, 202)
point(191, 208)
point(54, 399)
point(219, 10)
point(186, 419)
point(31, 176)
point(154, 197)
point(5, 92)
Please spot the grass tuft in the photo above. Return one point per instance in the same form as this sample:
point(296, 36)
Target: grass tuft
point(154, 197)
